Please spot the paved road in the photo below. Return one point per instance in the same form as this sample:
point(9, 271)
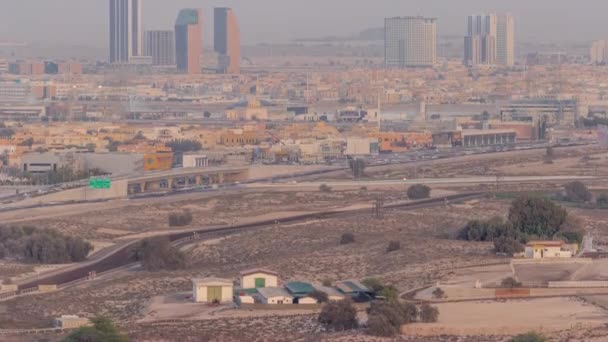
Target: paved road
point(428, 181)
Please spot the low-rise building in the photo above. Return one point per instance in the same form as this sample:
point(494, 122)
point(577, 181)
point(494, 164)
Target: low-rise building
point(299, 289)
point(71, 322)
point(274, 295)
point(258, 278)
point(333, 295)
point(362, 146)
point(212, 290)
point(546, 250)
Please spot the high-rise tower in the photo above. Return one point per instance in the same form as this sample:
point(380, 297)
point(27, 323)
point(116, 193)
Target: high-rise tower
point(125, 30)
point(410, 42)
point(227, 41)
point(189, 40)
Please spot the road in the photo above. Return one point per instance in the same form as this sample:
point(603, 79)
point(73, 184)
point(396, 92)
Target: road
point(428, 181)
point(123, 255)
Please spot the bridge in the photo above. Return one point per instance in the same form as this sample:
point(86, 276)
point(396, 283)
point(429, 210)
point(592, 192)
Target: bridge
point(186, 177)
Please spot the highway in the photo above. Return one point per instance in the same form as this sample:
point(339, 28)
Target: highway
point(427, 181)
point(123, 255)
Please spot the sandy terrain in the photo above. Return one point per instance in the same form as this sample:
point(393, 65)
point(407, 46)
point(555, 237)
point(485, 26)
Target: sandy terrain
point(512, 317)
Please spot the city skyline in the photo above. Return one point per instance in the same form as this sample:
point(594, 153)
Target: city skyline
point(158, 15)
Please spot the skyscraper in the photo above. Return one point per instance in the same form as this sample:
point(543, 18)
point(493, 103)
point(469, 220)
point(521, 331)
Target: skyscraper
point(598, 53)
point(189, 40)
point(160, 45)
point(227, 41)
point(480, 42)
point(125, 30)
point(490, 40)
point(505, 40)
point(410, 42)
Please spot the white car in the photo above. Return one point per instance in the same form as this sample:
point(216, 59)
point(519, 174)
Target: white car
point(405, 179)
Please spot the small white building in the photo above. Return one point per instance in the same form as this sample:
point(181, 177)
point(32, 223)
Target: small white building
point(274, 295)
point(258, 278)
point(307, 300)
point(212, 290)
point(71, 322)
point(190, 160)
point(546, 250)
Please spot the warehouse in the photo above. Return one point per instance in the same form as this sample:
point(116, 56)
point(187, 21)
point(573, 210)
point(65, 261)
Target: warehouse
point(212, 290)
point(258, 278)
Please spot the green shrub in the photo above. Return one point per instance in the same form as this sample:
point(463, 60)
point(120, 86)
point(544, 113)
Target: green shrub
point(428, 314)
point(510, 283)
point(339, 316)
point(180, 218)
point(325, 188)
point(156, 254)
point(529, 337)
point(578, 192)
point(320, 296)
point(347, 238)
point(103, 330)
point(418, 191)
point(393, 246)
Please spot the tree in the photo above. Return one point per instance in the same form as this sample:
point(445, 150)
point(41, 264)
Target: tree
point(529, 337)
point(180, 219)
point(549, 152)
point(510, 283)
point(156, 254)
point(339, 316)
point(418, 191)
point(373, 284)
point(386, 318)
point(507, 245)
point(428, 314)
point(380, 325)
point(357, 167)
point(390, 293)
point(347, 238)
point(602, 201)
point(536, 216)
point(393, 246)
point(103, 330)
point(207, 114)
point(327, 282)
point(41, 245)
point(578, 192)
point(320, 296)
point(438, 293)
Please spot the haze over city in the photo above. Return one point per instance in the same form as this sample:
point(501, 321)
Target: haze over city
point(281, 170)
point(38, 21)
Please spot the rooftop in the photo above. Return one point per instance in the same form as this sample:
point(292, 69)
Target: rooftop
point(298, 287)
point(352, 286)
point(258, 270)
point(212, 281)
point(546, 243)
point(273, 292)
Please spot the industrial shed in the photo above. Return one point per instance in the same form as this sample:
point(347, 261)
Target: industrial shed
point(212, 290)
point(258, 278)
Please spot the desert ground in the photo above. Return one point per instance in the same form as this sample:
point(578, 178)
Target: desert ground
point(310, 251)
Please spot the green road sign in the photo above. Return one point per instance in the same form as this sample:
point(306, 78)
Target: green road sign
point(100, 183)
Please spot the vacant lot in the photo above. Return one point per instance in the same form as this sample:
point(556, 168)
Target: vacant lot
point(513, 317)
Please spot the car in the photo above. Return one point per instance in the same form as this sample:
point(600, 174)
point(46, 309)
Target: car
point(405, 179)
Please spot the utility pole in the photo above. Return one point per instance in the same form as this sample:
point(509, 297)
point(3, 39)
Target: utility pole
point(377, 211)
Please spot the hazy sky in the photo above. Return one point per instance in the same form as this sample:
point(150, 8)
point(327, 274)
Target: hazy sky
point(84, 22)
